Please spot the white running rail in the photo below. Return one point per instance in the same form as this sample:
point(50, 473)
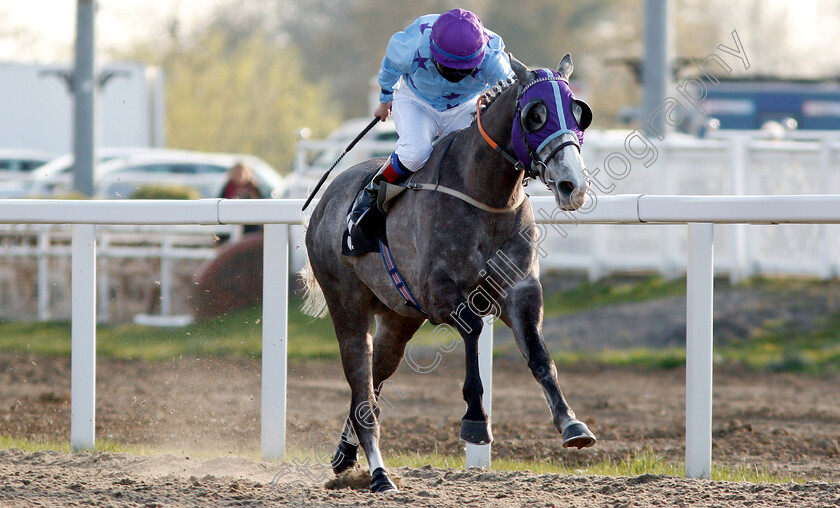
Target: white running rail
point(700, 213)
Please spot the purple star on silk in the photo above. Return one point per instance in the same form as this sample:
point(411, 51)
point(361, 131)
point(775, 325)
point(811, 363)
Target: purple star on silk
point(451, 96)
point(421, 62)
point(424, 27)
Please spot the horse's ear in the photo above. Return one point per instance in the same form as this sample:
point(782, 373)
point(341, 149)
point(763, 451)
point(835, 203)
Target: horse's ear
point(519, 69)
point(566, 67)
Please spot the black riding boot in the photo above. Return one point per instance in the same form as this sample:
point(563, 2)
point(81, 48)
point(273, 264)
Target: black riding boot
point(367, 198)
point(364, 201)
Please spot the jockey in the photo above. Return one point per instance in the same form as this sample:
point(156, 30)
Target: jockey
point(445, 61)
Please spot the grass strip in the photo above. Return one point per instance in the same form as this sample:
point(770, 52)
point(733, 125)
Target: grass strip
point(644, 462)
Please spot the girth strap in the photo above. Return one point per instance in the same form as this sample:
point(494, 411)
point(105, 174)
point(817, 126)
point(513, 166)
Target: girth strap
point(396, 278)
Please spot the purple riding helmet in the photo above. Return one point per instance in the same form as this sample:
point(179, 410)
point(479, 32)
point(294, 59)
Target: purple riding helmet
point(458, 40)
point(562, 114)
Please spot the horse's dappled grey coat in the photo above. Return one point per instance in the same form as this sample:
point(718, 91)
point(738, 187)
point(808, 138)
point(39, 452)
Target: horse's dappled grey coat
point(459, 262)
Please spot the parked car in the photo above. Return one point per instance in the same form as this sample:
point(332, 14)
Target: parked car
point(207, 173)
point(55, 178)
point(17, 163)
point(314, 157)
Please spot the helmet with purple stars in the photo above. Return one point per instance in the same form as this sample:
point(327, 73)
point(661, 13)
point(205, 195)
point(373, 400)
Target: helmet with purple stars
point(458, 40)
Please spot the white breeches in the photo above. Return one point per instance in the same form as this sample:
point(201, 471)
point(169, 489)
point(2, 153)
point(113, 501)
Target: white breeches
point(418, 124)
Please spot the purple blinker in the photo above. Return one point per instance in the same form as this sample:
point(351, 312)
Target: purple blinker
point(554, 93)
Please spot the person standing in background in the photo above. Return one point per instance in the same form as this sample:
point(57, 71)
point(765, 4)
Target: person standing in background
point(242, 184)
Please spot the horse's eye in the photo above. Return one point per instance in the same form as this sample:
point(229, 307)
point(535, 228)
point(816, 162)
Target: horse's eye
point(534, 116)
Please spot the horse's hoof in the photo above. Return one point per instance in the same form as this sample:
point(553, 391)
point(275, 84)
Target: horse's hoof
point(577, 435)
point(379, 482)
point(476, 432)
point(345, 457)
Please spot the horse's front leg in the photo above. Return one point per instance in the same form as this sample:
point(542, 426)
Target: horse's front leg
point(523, 313)
point(475, 425)
point(449, 306)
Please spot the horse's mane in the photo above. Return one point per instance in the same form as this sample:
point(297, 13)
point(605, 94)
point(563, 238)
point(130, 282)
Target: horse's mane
point(492, 93)
point(488, 97)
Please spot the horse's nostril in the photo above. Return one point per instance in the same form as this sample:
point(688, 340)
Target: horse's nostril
point(566, 188)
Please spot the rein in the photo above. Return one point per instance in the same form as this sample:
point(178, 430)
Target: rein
point(536, 169)
point(517, 164)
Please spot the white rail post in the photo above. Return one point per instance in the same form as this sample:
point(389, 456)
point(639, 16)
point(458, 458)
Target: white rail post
point(275, 333)
point(698, 351)
point(479, 455)
point(83, 341)
point(166, 275)
point(43, 275)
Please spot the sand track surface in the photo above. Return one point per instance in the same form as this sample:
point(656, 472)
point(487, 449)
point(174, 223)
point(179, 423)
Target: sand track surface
point(114, 479)
point(187, 408)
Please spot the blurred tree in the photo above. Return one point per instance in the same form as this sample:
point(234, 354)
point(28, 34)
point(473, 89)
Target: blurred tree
point(340, 43)
point(350, 45)
point(697, 31)
point(22, 43)
point(767, 31)
point(227, 93)
point(538, 32)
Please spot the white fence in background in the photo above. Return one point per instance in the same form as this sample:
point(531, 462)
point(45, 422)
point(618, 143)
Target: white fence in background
point(699, 212)
point(44, 243)
point(727, 163)
point(731, 164)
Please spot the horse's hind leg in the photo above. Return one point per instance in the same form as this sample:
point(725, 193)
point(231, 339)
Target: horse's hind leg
point(524, 316)
point(353, 326)
point(392, 333)
point(346, 454)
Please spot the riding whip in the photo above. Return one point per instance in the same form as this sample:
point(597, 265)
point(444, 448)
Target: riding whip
point(349, 147)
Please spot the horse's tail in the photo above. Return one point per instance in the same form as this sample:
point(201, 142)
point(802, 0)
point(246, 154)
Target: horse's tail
point(314, 303)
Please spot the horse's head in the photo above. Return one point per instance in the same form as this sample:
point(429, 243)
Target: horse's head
point(548, 130)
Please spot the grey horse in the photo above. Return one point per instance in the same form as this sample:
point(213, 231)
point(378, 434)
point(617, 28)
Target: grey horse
point(461, 256)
